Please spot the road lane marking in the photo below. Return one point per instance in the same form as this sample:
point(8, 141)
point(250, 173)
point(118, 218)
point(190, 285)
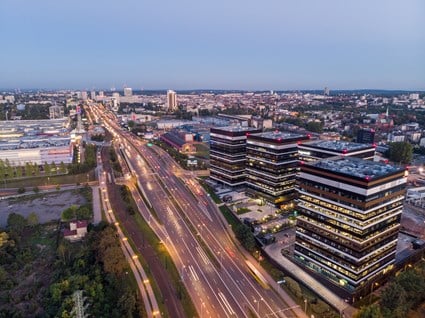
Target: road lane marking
point(226, 303)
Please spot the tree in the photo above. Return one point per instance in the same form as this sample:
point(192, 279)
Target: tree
point(62, 167)
point(414, 286)
point(110, 252)
point(372, 311)
point(393, 301)
point(244, 235)
point(53, 168)
point(16, 222)
point(32, 219)
point(69, 213)
point(315, 126)
point(47, 169)
point(400, 152)
point(83, 213)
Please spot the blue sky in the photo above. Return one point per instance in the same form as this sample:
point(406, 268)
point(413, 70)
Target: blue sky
point(232, 44)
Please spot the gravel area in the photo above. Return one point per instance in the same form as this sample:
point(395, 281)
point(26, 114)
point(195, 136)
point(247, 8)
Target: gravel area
point(47, 206)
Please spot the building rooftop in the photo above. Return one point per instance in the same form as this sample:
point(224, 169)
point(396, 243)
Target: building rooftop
point(237, 128)
point(338, 145)
point(279, 135)
point(356, 167)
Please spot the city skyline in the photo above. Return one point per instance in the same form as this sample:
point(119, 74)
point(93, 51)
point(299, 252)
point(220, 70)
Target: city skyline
point(192, 45)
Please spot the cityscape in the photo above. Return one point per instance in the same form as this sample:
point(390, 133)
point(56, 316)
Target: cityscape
point(208, 177)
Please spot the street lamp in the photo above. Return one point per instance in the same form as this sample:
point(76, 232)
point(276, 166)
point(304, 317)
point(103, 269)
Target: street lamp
point(258, 305)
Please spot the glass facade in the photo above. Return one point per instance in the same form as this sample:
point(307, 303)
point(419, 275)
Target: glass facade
point(228, 154)
point(348, 234)
point(272, 164)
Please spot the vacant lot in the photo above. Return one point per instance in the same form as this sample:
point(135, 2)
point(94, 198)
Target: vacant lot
point(47, 206)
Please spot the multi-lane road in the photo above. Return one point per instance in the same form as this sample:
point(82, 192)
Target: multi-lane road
point(214, 271)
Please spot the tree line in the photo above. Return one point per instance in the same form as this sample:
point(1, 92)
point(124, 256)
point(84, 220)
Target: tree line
point(9, 171)
point(406, 292)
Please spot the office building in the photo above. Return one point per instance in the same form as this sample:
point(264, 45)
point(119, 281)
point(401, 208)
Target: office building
point(128, 92)
point(366, 136)
point(228, 154)
point(316, 150)
point(271, 166)
point(348, 221)
point(93, 95)
point(171, 100)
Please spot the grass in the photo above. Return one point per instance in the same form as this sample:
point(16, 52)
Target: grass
point(229, 216)
point(242, 210)
point(49, 180)
point(211, 192)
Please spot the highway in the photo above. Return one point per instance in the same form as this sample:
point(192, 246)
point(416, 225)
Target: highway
point(211, 266)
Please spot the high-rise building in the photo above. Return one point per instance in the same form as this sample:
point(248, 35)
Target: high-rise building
point(128, 91)
point(84, 95)
point(326, 91)
point(171, 100)
point(93, 95)
point(272, 164)
point(348, 221)
point(321, 149)
point(366, 136)
point(228, 154)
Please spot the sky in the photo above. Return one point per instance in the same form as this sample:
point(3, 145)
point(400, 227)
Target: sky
point(220, 44)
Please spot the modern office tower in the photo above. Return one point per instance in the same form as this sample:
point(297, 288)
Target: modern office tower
point(348, 221)
point(366, 136)
point(171, 100)
point(93, 95)
point(272, 164)
point(128, 91)
point(228, 154)
point(321, 149)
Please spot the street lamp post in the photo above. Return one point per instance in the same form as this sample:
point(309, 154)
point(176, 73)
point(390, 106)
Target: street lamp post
point(258, 305)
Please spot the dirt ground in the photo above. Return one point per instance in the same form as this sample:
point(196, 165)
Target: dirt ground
point(48, 207)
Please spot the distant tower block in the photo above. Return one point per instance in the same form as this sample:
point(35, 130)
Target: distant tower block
point(171, 100)
point(128, 91)
point(326, 91)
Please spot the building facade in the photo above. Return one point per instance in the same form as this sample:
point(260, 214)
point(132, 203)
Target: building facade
point(348, 221)
point(171, 100)
point(272, 164)
point(317, 150)
point(366, 136)
point(228, 154)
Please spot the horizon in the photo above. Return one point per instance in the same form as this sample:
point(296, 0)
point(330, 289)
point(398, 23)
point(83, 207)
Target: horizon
point(242, 45)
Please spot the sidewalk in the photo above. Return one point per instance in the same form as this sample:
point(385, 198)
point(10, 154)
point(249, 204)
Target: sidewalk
point(338, 303)
point(97, 214)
